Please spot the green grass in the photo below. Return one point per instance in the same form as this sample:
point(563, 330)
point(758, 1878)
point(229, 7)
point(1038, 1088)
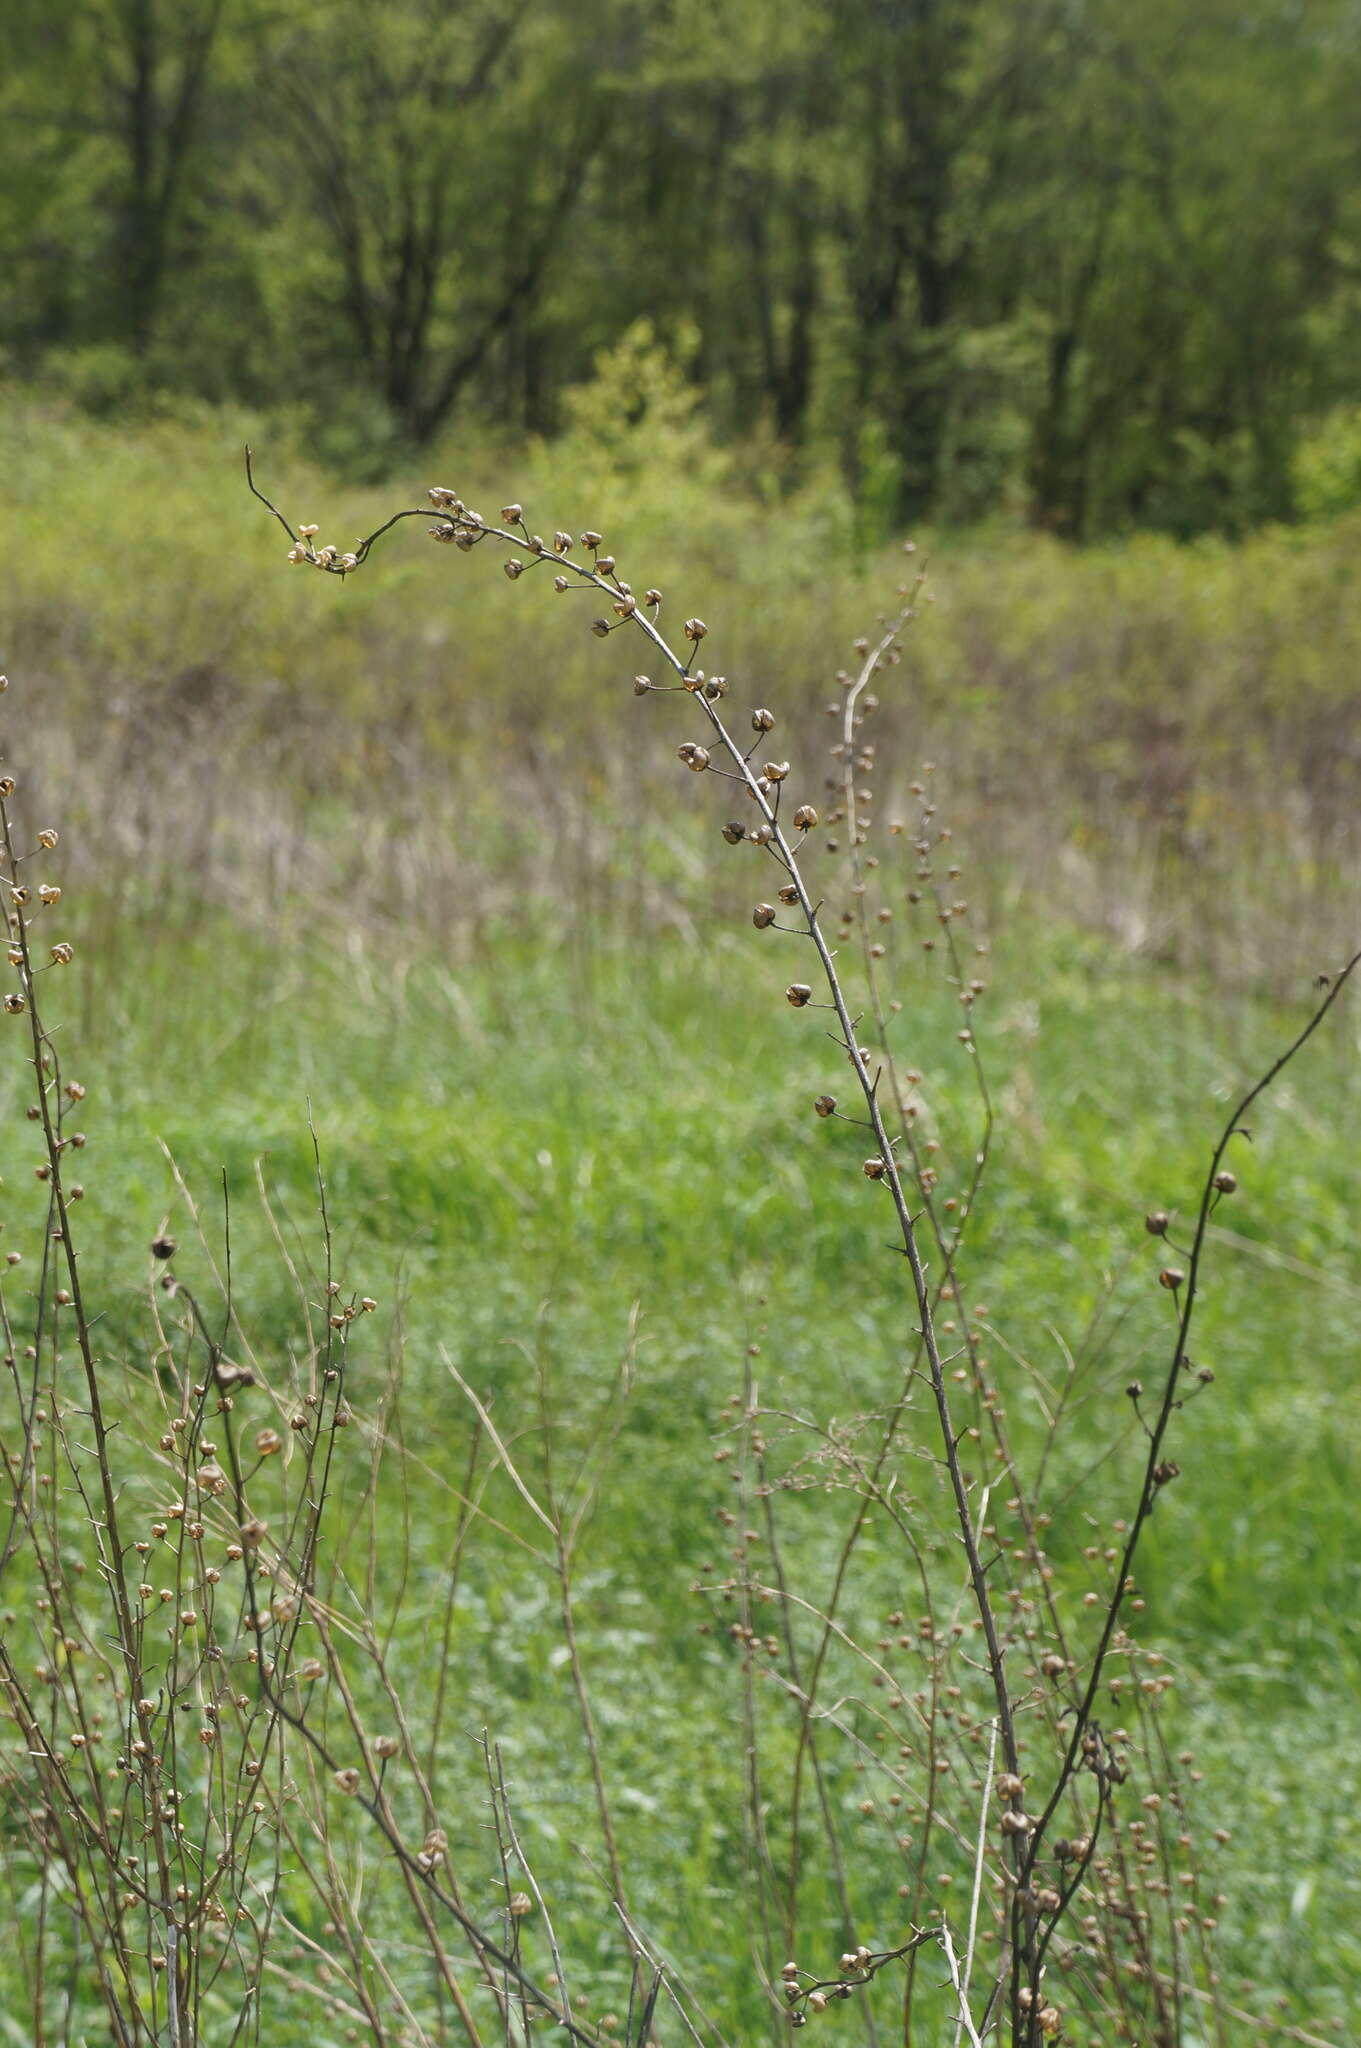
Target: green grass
point(407, 859)
point(511, 1164)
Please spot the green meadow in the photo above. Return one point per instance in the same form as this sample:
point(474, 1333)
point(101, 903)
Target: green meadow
point(403, 868)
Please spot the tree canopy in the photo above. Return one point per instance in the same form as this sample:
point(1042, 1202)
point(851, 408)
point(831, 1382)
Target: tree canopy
point(1093, 262)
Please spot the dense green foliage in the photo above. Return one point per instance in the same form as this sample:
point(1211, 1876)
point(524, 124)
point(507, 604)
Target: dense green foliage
point(1087, 260)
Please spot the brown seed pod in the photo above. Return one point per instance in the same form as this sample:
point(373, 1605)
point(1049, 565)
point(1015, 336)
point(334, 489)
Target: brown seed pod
point(825, 1104)
point(798, 993)
point(763, 915)
point(734, 833)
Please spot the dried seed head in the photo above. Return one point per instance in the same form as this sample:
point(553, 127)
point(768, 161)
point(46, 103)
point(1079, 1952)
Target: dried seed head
point(514, 568)
point(763, 915)
point(776, 771)
point(519, 1904)
point(47, 839)
point(653, 599)
point(789, 894)
point(805, 817)
point(734, 833)
point(874, 1169)
point(825, 1104)
point(641, 684)
point(762, 720)
point(1226, 1182)
point(1171, 1277)
point(695, 629)
point(14, 1004)
point(1156, 1223)
point(561, 583)
point(762, 834)
point(600, 627)
point(562, 543)
point(267, 1442)
point(512, 514)
point(693, 756)
point(798, 993)
point(590, 539)
point(386, 1746)
point(163, 1248)
point(347, 1781)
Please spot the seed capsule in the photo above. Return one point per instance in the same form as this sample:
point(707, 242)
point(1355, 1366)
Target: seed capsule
point(798, 993)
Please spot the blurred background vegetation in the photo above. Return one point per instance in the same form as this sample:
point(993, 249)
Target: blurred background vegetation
point(1070, 286)
point(1094, 263)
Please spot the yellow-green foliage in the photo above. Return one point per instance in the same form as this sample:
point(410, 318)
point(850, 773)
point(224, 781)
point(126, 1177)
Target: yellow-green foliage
point(1204, 692)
